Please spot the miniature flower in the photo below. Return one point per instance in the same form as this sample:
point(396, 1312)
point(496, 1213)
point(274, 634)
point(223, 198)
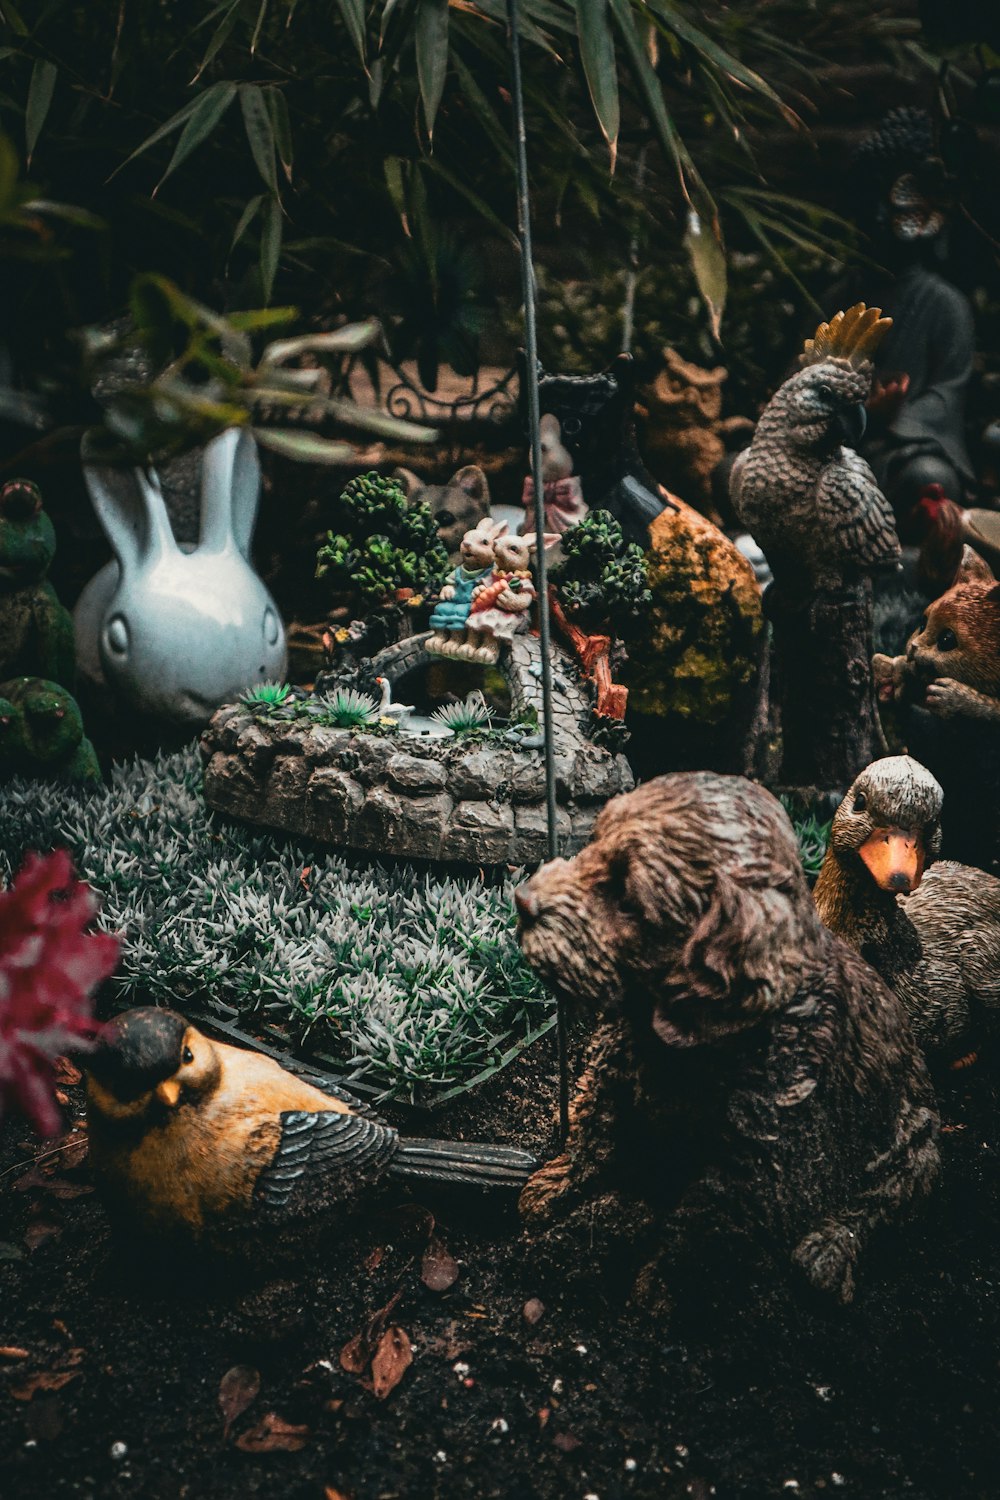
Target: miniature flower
point(49, 967)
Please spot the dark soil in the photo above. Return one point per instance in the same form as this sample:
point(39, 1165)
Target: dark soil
point(768, 1394)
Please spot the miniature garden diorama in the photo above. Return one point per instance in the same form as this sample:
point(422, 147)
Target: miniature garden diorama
point(500, 810)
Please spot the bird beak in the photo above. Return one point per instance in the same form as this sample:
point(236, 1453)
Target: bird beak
point(851, 424)
point(894, 859)
point(168, 1092)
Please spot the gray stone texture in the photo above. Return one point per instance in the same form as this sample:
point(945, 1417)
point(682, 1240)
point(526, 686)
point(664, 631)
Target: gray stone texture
point(383, 794)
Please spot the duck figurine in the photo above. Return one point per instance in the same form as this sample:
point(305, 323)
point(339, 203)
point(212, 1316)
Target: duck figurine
point(934, 937)
point(400, 712)
point(192, 1139)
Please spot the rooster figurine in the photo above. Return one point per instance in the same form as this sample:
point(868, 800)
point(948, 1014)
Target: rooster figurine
point(193, 1139)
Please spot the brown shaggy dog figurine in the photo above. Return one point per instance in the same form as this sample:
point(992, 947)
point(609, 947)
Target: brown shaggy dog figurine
point(750, 1077)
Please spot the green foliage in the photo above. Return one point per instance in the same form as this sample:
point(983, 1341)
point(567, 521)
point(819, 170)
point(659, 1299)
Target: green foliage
point(346, 708)
point(813, 834)
point(266, 695)
point(203, 378)
point(383, 544)
point(603, 580)
point(409, 982)
point(467, 717)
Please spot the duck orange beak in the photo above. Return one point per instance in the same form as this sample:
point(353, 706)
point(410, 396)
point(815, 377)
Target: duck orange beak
point(894, 859)
point(168, 1092)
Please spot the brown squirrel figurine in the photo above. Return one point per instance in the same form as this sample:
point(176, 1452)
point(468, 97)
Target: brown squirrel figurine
point(952, 662)
point(946, 693)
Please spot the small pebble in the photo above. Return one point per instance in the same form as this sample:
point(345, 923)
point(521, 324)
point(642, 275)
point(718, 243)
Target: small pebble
point(824, 1392)
point(31, 1443)
point(461, 1369)
point(837, 1479)
point(790, 1484)
point(579, 1348)
point(118, 1451)
point(681, 1451)
point(557, 1387)
point(499, 1425)
point(440, 1456)
point(630, 1466)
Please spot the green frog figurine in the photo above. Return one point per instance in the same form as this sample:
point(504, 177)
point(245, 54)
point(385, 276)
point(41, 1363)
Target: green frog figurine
point(41, 733)
point(36, 632)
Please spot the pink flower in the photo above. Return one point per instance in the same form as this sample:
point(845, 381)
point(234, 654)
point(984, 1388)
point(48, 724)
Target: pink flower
point(49, 968)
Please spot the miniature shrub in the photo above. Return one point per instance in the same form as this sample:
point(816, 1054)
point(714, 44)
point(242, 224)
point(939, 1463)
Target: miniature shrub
point(603, 581)
point(409, 981)
point(380, 544)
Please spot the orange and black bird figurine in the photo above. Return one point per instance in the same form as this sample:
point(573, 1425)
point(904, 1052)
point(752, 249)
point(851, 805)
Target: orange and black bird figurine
point(197, 1139)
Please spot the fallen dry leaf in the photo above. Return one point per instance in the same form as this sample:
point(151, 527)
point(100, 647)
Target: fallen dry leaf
point(354, 1355)
point(438, 1270)
point(44, 1380)
point(67, 1073)
point(13, 1351)
point(273, 1435)
point(391, 1360)
point(238, 1389)
point(39, 1232)
point(329, 1493)
point(533, 1310)
point(565, 1442)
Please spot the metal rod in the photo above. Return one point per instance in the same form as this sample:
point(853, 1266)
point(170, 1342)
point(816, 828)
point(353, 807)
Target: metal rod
point(531, 379)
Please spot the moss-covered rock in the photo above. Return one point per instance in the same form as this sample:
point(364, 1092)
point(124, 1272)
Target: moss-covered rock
point(697, 667)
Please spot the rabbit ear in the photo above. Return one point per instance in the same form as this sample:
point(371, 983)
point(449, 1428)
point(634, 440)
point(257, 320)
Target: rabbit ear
point(129, 505)
point(497, 529)
point(549, 539)
point(230, 491)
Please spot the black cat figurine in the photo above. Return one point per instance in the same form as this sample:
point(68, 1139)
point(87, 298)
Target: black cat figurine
point(596, 414)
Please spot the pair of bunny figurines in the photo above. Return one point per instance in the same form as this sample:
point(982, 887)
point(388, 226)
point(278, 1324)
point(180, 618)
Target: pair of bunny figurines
point(488, 600)
point(177, 630)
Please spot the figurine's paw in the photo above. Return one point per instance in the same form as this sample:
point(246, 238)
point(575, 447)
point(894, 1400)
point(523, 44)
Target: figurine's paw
point(827, 1257)
point(887, 672)
point(946, 697)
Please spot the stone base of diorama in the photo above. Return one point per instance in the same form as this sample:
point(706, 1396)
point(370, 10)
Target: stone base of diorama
point(481, 803)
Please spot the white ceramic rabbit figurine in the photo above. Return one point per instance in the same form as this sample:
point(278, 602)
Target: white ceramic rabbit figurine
point(177, 632)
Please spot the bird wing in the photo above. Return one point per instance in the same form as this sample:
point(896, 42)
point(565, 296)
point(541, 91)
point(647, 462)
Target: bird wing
point(324, 1158)
point(736, 481)
point(851, 507)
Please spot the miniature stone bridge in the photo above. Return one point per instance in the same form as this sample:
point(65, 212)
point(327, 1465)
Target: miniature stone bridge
point(481, 803)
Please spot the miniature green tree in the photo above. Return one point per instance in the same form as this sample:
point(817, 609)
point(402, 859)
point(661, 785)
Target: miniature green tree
point(383, 549)
point(603, 584)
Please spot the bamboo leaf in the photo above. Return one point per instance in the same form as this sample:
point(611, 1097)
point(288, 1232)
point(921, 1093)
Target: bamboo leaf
point(353, 12)
point(480, 105)
point(262, 12)
point(597, 50)
point(207, 113)
point(346, 340)
point(652, 93)
point(40, 90)
point(10, 13)
point(164, 130)
point(278, 107)
point(709, 49)
point(703, 243)
point(219, 38)
point(270, 246)
point(432, 56)
point(260, 132)
point(392, 168)
point(304, 446)
point(261, 317)
point(246, 219)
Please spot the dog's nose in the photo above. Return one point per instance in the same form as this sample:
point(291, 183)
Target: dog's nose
point(900, 882)
point(527, 903)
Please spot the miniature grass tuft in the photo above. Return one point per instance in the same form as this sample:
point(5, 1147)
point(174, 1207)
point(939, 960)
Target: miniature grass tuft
point(467, 717)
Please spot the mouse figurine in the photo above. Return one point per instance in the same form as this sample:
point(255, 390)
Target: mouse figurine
point(562, 492)
point(450, 616)
point(501, 608)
